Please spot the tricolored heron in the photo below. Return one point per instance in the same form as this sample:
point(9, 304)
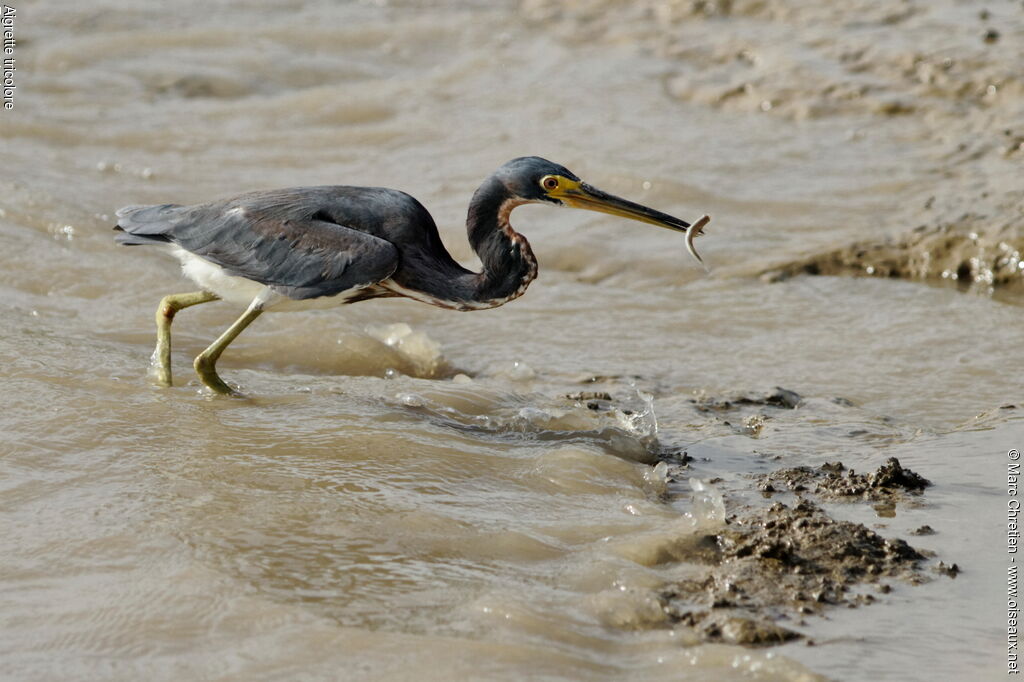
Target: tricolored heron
point(312, 247)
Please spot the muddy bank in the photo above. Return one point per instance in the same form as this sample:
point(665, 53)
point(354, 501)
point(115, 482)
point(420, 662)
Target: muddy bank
point(965, 252)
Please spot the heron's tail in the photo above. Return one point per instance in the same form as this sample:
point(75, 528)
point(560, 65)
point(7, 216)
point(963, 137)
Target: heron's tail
point(146, 224)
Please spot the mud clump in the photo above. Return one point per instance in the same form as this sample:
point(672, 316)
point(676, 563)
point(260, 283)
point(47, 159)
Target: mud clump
point(774, 565)
point(833, 481)
point(778, 397)
point(750, 410)
point(782, 563)
point(736, 629)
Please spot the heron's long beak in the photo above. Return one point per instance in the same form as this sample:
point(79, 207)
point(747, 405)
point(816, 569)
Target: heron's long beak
point(581, 195)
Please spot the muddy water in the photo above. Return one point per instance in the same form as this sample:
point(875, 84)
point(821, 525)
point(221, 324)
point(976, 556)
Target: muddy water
point(408, 493)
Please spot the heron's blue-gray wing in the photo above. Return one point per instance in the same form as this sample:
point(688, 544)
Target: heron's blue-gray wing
point(281, 244)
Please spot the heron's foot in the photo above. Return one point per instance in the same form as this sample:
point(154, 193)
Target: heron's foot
point(206, 368)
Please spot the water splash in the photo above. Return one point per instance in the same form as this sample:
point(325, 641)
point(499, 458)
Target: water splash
point(708, 504)
point(415, 347)
point(627, 428)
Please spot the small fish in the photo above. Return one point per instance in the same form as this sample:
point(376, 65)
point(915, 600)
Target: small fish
point(694, 231)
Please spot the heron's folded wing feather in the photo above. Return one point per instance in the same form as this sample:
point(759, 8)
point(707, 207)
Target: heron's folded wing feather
point(297, 255)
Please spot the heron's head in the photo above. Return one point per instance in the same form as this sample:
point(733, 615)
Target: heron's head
point(534, 179)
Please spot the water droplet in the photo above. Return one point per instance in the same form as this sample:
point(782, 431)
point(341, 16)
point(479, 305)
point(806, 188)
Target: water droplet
point(410, 399)
point(521, 371)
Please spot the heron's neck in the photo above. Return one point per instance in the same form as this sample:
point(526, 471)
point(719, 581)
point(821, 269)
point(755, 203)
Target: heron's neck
point(508, 261)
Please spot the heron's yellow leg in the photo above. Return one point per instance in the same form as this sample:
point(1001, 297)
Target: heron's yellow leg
point(169, 306)
point(206, 361)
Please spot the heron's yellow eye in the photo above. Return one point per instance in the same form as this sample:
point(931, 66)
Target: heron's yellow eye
point(549, 182)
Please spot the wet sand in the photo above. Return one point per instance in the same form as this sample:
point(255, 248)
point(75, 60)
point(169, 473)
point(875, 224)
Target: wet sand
point(596, 481)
